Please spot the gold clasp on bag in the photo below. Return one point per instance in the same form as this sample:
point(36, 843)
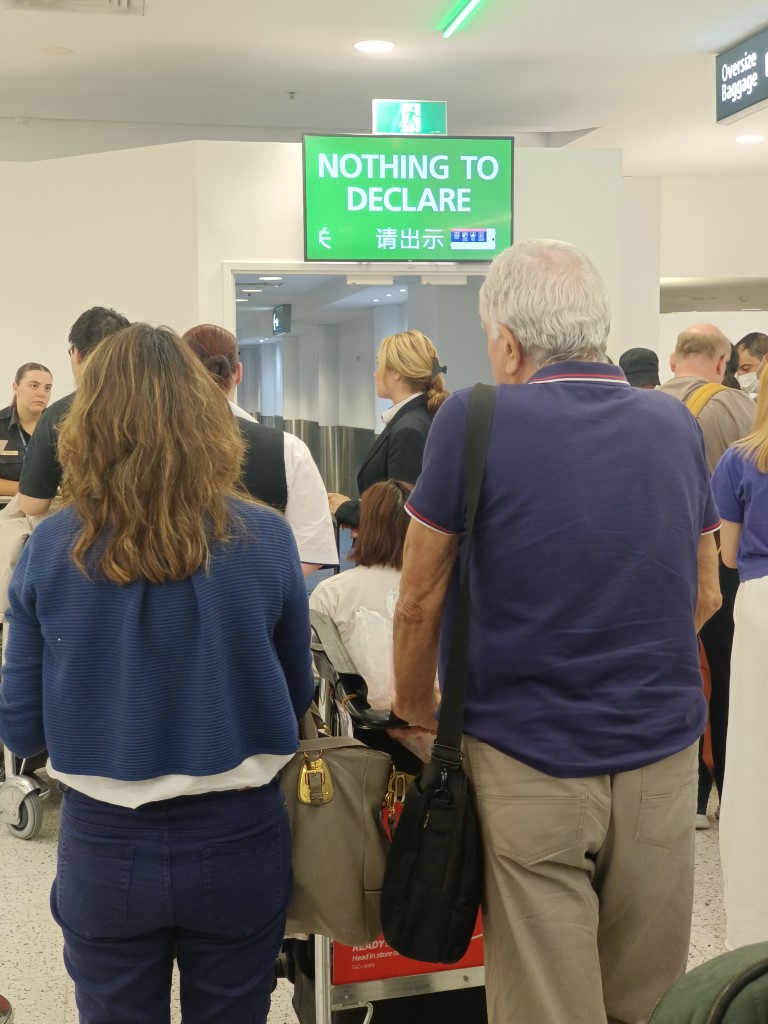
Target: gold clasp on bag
point(315, 782)
point(397, 787)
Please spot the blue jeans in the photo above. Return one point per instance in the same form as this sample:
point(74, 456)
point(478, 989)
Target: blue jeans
point(205, 879)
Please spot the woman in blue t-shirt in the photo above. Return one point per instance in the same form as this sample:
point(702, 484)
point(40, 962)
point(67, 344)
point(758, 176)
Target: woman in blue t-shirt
point(740, 485)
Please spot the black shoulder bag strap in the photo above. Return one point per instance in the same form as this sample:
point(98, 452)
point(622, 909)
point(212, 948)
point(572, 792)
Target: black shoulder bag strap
point(447, 748)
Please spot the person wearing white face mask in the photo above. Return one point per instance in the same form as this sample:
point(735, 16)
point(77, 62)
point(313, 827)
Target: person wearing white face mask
point(752, 350)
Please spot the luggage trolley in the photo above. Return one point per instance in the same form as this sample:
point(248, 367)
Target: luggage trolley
point(330, 977)
point(20, 790)
point(20, 797)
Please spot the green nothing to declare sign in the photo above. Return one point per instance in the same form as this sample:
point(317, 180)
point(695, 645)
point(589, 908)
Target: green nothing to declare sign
point(373, 198)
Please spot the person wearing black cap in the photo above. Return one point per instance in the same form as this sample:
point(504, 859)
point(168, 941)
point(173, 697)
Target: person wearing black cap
point(641, 367)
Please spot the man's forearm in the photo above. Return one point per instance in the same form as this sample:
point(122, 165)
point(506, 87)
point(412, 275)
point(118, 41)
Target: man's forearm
point(428, 563)
point(415, 663)
point(709, 597)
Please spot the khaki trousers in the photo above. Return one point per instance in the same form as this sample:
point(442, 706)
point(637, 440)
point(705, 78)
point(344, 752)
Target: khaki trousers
point(589, 887)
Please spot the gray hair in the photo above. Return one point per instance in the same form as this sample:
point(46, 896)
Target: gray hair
point(552, 298)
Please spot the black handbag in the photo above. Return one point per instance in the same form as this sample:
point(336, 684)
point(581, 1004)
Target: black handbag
point(434, 877)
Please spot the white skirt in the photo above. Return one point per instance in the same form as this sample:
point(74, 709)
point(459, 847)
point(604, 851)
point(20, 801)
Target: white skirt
point(744, 817)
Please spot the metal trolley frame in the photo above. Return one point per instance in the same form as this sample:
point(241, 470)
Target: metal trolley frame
point(341, 685)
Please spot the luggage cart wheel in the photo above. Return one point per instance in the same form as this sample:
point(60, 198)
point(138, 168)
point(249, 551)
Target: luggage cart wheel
point(30, 818)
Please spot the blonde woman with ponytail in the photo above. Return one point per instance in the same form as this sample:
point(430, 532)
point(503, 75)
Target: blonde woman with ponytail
point(408, 372)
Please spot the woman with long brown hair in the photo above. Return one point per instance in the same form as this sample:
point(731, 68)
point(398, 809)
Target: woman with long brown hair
point(409, 374)
point(159, 650)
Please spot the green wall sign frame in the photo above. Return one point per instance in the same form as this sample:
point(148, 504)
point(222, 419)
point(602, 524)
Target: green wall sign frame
point(407, 198)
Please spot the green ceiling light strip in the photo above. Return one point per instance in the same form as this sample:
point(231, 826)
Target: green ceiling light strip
point(460, 18)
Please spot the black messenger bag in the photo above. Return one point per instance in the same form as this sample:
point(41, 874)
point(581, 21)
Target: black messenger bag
point(434, 878)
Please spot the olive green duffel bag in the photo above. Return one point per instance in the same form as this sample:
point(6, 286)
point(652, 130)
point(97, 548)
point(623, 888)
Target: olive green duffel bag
point(731, 989)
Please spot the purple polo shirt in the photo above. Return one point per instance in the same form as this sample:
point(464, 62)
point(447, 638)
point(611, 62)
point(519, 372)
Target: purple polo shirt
point(583, 656)
point(741, 493)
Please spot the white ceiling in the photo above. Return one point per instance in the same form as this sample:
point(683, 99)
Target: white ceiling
point(636, 76)
point(314, 298)
point(601, 73)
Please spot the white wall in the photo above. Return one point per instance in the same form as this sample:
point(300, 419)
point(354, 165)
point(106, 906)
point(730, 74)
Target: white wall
point(291, 381)
point(249, 207)
point(328, 376)
point(112, 229)
point(640, 265)
point(577, 196)
point(309, 370)
point(714, 226)
point(356, 388)
point(272, 385)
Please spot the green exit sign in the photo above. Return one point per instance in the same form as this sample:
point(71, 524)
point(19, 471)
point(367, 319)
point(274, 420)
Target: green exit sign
point(409, 117)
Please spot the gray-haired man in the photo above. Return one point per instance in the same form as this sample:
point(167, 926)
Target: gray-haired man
point(592, 567)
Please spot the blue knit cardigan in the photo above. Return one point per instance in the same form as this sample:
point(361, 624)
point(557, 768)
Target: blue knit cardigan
point(138, 681)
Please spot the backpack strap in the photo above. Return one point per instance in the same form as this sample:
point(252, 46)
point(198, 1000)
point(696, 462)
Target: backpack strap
point(698, 398)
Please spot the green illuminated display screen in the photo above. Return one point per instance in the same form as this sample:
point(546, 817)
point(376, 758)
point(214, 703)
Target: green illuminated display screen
point(372, 198)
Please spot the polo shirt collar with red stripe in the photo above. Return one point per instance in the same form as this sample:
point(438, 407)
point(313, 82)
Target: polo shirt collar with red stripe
point(578, 372)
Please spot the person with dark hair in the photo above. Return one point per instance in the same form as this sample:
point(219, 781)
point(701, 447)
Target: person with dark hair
point(378, 557)
point(31, 394)
point(641, 367)
point(361, 601)
point(279, 467)
point(730, 377)
point(41, 471)
point(752, 349)
point(409, 374)
point(159, 650)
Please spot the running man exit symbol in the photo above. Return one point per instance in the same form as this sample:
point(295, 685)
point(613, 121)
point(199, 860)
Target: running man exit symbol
point(409, 117)
point(410, 120)
point(324, 238)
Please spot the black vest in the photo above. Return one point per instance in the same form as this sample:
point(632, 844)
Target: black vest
point(264, 466)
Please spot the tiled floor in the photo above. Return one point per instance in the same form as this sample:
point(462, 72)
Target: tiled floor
point(32, 974)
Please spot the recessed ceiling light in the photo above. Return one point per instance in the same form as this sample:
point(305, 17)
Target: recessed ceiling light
point(57, 51)
point(251, 291)
point(750, 140)
point(403, 289)
point(270, 279)
point(388, 295)
point(241, 300)
point(375, 300)
point(374, 46)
